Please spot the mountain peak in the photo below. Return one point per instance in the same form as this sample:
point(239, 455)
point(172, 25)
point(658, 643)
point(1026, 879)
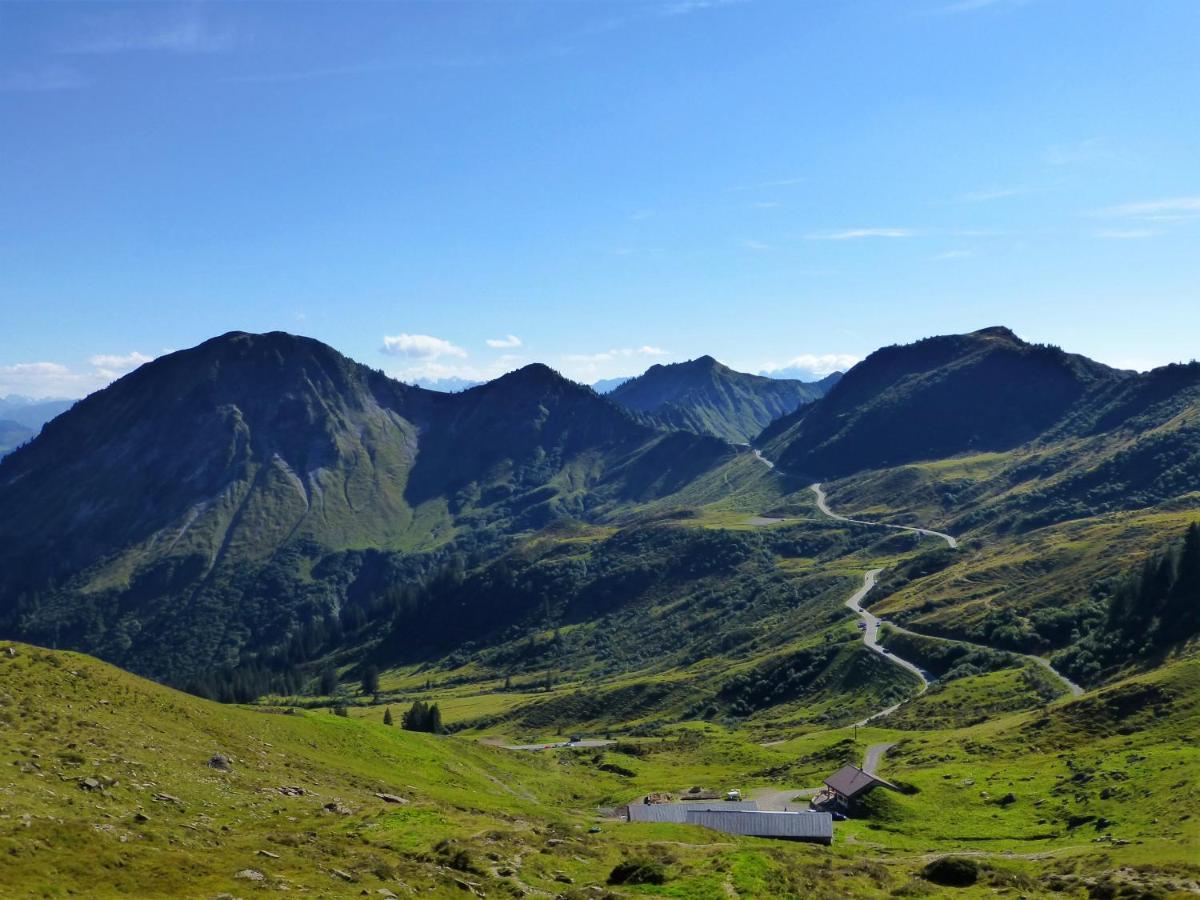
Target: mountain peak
point(705, 396)
point(998, 332)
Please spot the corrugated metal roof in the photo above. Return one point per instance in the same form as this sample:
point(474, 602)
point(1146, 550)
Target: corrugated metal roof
point(678, 812)
point(805, 826)
point(849, 781)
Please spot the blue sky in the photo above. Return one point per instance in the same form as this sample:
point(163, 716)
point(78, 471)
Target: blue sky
point(458, 188)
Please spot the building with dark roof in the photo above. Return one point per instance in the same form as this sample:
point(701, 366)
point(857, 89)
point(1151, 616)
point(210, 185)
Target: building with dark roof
point(847, 785)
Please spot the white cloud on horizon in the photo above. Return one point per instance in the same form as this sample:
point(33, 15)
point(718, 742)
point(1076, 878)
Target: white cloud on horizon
point(504, 343)
point(51, 380)
point(589, 367)
point(115, 366)
point(819, 365)
point(420, 346)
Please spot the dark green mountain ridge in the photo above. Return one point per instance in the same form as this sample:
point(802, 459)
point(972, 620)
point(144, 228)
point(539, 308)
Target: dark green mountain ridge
point(706, 397)
point(222, 494)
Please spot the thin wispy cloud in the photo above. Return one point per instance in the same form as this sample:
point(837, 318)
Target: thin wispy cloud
point(1086, 152)
point(757, 246)
point(852, 234)
point(421, 346)
point(1170, 209)
point(148, 31)
point(766, 204)
point(1125, 234)
point(687, 7)
point(970, 6)
point(766, 185)
point(44, 80)
point(607, 355)
point(507, 342)
point(989, 195)
point(954, 254)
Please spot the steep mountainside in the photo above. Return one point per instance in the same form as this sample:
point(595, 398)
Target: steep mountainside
point(224, 496)
point(942, 396)
point(706, 397)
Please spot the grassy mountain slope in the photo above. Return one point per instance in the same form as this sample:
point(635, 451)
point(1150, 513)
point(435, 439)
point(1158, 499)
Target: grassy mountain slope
point(110, 787)
point(706, 397)
point(234, 493)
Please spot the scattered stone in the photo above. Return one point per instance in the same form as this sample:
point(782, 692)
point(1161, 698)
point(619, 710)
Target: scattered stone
point(268, 854)
point(250, 875)
point(220, 762)
point(391, 798)
point(90, 784)
point(10, 652)
point(166, 798)
point(141, 818)
point(505, 872)
point(338, 873)
point(384, 892)
point(292, 791)
point(564, 878)
point(554, 842)
point(338, 808)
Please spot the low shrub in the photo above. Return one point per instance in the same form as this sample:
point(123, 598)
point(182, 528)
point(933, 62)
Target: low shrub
point(638, 871)
point(952, 871)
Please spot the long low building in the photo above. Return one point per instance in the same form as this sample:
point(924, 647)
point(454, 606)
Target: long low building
point(678, 812)
point(797, 826)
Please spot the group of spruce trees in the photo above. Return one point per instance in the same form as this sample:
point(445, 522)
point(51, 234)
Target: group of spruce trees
point(421, 716)
point(1160, 606)
point(1149, 612)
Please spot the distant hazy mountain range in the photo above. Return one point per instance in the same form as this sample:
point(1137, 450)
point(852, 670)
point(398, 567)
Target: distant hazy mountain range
point(21, 418)
point(607, 385)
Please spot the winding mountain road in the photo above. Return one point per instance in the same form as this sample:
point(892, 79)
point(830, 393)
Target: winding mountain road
point(873, 629)
point(823, 505)
point(871, 641)
point(870, 635)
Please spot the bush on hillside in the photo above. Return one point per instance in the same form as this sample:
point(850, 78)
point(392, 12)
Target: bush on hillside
point(638, 870)
point(952, 871)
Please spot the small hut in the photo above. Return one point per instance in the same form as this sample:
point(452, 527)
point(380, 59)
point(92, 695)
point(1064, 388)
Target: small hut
point(846, 786)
